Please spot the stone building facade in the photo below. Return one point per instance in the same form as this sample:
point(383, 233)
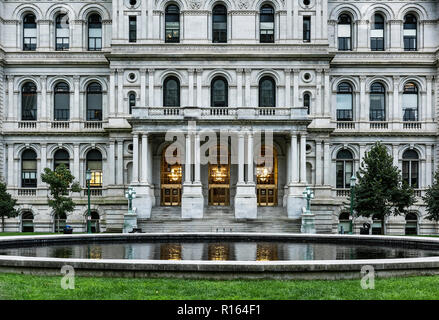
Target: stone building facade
point(108, 86)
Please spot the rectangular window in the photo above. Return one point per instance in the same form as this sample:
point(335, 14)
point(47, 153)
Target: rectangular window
point(410, 42)
point(132, 28)
point(30, 39)
point(94, 39)
point(344, 37)
point(344, 107)
point(377, 40)
point(307, 29)
point(377, 108)
point(410, 107)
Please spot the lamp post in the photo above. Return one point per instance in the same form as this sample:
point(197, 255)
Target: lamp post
point(353, 181)
point(88, 178)
point(130, 195)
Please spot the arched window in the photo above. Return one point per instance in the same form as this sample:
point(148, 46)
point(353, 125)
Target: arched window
point(94, 32)
point(172, 24)
point(29, 169)
point(59, 222)
point(27, 221)
point(344, 168)
point(29, 101)
point(219, 24)
point(267, 92)
point(62, 32)
point(61, 156)
point(377, 224)
point(219, 92)
point(410, 33)
point(171, 92)
point(410, 168)
point(377, 102)
point(29, 33)
point(307, 102)
point(377, 33)
point(131, 102)
point(411, 223)
point(410, 102)
point(344, 225)
point(344, 102)
point(94, 164)
point(344, 32)
point(61, 102)
point(266, 24)
point(94, 102)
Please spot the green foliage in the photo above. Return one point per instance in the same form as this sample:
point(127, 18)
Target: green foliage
point(60, 182)
point(7, 204)
point(431, 199)
point(380, 189)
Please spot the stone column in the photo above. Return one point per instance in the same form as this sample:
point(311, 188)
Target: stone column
point(319, 163)
point(111, 166)
point(319, 105)
point(428, 166)
point(150, 19)
point(11, 171)
point(296, 88)
point(120, 91)
point(395, 148)
point(135, 158)
point(289, 20)
point(11, 107)
point(112, 90)
point(151, 87)
point(295, 19)
point(245, 197)
point(188, 162)
point(364, 116)
point(191, 87)
point(199, 88)
point(43, 109)
point(76, 168)
point(327, 92)
point(428, 108)
point(396, 106)
point(76, 116)
point(143, 87)
point(288, 87)
point(303, 158)
point(239, 87)
point(43, 163)
point(197, 159)
point(327, 163)
point(119, 177)
point(144, 175)
point(250, 158)
point(247, 88)
point(293, 159)
point(241, 152)
point(192, 200)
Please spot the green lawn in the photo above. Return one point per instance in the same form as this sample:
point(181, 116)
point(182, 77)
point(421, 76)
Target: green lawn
point(13, 286)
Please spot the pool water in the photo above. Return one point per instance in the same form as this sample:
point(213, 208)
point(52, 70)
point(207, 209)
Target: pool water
point(226, 251)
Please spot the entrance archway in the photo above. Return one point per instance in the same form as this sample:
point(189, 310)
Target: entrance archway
point(411, 224)
point(266, 178)
point(219, 178)
point(27, 221)
point(170, 181)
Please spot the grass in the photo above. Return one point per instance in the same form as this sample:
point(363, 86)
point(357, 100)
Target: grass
point(6, 234)
point(29, 287)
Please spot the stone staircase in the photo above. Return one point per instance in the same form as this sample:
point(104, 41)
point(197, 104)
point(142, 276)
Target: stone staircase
point(219, 219)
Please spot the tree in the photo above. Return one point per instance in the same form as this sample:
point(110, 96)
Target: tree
point(60, 182)
point(431, 199)
point(7, 204)
point(380, 189)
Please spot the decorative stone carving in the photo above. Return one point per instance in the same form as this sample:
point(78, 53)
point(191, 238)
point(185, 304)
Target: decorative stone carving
point(243, 4)
point(195, 4)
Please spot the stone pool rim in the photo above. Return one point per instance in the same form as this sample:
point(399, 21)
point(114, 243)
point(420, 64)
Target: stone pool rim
point(297, 269)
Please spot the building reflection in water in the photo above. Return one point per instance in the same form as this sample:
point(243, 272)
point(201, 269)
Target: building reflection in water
point(170, 251)
point(266, 252)
point(218, 251)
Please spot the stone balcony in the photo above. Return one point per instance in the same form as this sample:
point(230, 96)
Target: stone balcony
point(386, 126)
point(53, 126)
point(224, 113)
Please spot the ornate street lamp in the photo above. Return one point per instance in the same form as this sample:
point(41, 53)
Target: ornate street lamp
point(130, 195)
point(353, 181)
point(88, 178)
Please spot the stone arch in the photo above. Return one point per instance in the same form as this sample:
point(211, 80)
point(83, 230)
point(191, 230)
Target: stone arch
point(417, 148)
point(58, 8)
point(418, 10)
point(22, 148)
point(353, 149)
point(85, 82)
point(270, 73)
point(220, 73)
point(87, 148)
point(55, 80)
point(22, 80)
point(23, 9)
point(162, 4)
point(210, 4)
point(91, 8)
point(349, 79)
point(54, 148)
point(382, 8)
point(346, 8)
point(172, 72)
point(383, 80)
point(416, 80)
point(277, 5)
